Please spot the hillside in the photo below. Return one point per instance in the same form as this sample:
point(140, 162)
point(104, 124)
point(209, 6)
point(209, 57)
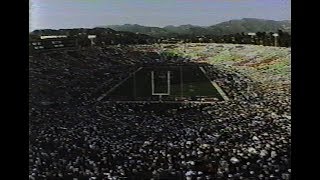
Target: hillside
point(249, 25)
point(229, 27)
point(135, 28)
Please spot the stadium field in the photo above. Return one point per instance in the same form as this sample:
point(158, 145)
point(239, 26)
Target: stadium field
point(186, 82)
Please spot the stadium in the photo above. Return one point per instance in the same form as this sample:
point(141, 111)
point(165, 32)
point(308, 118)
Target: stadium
point(192, 111)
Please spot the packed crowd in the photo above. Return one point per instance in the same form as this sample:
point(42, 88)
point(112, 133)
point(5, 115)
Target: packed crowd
point(247, 137)
point(78, 76)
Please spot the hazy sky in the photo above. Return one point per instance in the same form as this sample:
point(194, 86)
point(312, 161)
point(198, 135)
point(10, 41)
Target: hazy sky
point(56, 14)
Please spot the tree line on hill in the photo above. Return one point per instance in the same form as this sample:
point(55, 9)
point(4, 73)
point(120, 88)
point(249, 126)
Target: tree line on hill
point(103, 36)
point(260, 38)
point(233, 31)
point(106, 36)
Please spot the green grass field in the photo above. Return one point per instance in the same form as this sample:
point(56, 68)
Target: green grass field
point(194, 84)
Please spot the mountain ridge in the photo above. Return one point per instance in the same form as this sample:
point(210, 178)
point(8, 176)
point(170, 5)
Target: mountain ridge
point(224, 28)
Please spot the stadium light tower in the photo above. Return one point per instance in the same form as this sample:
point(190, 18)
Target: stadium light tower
point(275, 39)
point(92, 37)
